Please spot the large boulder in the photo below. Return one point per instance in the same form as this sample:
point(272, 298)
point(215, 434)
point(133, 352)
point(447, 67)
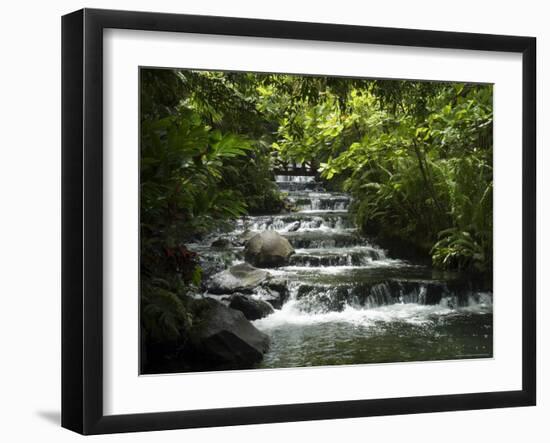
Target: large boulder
point(225, 337)
point(268, 249)
point(221, 243)
point(239, 278)
point(253, 309)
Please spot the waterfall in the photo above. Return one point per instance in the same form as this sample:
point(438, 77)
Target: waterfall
point(342, 299)
point(337, 274)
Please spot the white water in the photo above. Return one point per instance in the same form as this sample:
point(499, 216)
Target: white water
point(295, 178)
point(412, 313)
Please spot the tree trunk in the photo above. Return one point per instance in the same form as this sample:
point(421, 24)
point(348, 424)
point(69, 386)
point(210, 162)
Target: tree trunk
point(427, 181)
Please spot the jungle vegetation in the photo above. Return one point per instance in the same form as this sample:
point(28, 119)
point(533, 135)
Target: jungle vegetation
point(416, 156)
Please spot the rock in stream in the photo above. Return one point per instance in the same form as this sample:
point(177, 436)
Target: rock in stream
point(268, 249)
point(238, 278)
point(225, 337)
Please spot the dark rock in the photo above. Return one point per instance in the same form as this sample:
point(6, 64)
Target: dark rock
point(221, 243)
point(434, 293)
point(280, 285)
point(239, 278)
point(251, 308)
point(275, 292)
point(272, 297)
point(225, 337)
point(268, 250)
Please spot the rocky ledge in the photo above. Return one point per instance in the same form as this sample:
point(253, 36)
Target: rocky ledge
point(225, 337)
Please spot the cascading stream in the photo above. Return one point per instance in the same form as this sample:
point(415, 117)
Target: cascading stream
point(350, 302)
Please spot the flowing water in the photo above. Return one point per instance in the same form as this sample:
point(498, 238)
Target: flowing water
point(351, 303)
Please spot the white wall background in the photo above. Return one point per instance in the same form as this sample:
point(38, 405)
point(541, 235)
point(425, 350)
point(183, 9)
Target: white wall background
point(30, 219)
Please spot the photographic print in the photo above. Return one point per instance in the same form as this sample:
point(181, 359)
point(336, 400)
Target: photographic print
point(293, 221)
point(249, 204)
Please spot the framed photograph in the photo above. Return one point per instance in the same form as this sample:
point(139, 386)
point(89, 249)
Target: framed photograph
point(269, 221)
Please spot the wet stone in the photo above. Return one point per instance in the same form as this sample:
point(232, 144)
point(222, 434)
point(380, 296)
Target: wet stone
point(239, 278)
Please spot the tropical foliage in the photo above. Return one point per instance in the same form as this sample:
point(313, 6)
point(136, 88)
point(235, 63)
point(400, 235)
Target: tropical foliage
point(417, 157)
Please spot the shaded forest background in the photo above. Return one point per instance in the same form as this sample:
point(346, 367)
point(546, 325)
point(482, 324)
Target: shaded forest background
point(415, 156)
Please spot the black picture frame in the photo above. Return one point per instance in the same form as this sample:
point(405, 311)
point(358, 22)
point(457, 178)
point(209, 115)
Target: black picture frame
point(82, 218)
